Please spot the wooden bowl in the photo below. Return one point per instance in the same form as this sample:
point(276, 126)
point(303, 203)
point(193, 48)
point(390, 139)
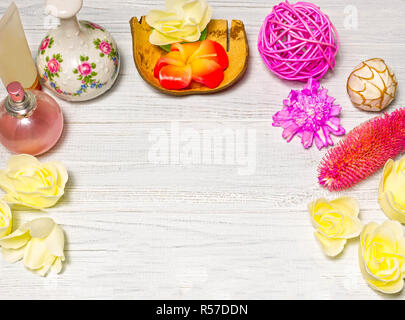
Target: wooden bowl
point(146, 54)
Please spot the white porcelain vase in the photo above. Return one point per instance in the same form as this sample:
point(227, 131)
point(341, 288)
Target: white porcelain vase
point(79, 60)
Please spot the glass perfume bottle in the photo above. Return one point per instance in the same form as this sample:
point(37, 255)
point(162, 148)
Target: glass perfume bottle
point(31, 122)
point(16, 62)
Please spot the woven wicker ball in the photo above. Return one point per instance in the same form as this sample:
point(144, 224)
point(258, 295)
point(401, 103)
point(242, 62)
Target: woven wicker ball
point(298, 41)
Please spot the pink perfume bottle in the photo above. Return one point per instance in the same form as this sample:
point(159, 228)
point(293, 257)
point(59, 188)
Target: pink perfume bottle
point(31, 121)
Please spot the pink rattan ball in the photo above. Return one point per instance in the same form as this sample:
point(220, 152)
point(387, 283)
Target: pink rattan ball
point(298, 41)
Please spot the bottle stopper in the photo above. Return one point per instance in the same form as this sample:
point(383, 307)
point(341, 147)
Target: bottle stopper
point(16, 92)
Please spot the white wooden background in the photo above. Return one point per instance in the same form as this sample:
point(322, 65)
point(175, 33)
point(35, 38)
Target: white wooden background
point(136, 230)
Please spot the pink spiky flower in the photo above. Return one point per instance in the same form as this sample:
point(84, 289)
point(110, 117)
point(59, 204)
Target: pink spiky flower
point(363, 151)
point(311, 115)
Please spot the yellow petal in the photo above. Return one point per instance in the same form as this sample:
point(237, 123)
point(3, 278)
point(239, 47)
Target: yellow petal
point(55, 242)
point(15, 240)
point(352, 227)
point(322, 205)
point(57, 266)
point(36, 255)
point(63, 175)
point(391, 192)
point(15, 163)
point(206, 18)
point(42, 227)
point(331, 247)
point(5, 182)
point(11, 255)
point(155, 18)
point(159, 39)
point(45, 269)
point(6, 219)
point(349, 206)
point(194, 11)
point(174, 5)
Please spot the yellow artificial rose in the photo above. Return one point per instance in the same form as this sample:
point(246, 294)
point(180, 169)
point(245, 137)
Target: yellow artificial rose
point(183, 21)
point(31, 184)
point(5, 219)
point(335, 222)
point(382, 256)
point(391, 193)
point(40, 243)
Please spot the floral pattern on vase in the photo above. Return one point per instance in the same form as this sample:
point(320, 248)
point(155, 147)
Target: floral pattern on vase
point(86, 74)
point(106, 49)
point(47, 43)
point(53, 66)
point(89, 67)
point(93, 26)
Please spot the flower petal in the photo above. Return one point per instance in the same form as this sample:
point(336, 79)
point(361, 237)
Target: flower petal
point(57, 266)
point(15, 240)
point(11, 255)
point(159, 39)
point(307, 139)
point(331, 247)
point(6, 219)
point(42, 227)
point(206, 18)
point(207, 72)
point(55, 242)
point(15, 163)
point(36, 255)
point(155, 18)
point(348, 205)
point(174, 58)
point(194, 11)
point(211, 50)
point(186, 49)
point(174, 77)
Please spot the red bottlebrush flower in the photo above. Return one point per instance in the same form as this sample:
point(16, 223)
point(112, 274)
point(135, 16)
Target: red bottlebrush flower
point(363, 151)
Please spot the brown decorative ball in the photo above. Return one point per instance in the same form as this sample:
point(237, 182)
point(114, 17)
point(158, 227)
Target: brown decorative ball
point(372, 85)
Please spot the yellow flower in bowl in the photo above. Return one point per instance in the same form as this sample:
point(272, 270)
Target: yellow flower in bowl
point(40, 243)
point(391, 193)
point(382, 256)
point(29, 183)
point(6, 222)
point(183, 21)
point(335, 222)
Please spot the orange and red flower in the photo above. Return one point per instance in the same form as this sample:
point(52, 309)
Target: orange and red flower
point(203, 62)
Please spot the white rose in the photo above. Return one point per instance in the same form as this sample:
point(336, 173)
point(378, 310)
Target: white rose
point(183, 21)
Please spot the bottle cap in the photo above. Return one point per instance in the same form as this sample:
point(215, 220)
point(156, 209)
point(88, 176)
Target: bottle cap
point(19, 103)
point(16, 92)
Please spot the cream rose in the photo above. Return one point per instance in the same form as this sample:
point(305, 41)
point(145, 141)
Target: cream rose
point(335, 222)
point(382, 256)
point(391, 193)
point(29, 183)
point(40, 243)
point(6, 221)
point(183, 21)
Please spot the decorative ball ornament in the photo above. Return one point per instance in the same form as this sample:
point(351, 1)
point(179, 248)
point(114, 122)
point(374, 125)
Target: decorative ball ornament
point(298, 41)
point(79, 60)
point(372, 85)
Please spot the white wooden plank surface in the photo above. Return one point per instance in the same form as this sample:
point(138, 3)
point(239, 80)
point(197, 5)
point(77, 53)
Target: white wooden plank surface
point(138, 230)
